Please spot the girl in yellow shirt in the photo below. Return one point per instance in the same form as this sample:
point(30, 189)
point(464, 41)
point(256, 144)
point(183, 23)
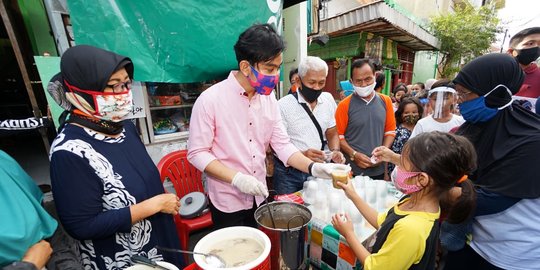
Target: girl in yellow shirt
point(433, 168)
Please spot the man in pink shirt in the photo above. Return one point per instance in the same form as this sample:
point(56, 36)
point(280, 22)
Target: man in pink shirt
point(524, 46)
point(233, 123)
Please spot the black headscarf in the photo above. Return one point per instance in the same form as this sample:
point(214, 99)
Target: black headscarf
point(508, 145)
point(87, 68)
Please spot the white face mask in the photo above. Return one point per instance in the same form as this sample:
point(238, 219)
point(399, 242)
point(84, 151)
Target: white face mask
point(364, 91)
point(114, 107)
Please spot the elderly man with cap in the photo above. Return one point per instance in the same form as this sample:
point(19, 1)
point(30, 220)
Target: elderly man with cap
point(505, 231)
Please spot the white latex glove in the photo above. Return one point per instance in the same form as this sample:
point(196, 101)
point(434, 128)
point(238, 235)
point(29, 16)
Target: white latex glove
point(324, 170)
point(249, 185)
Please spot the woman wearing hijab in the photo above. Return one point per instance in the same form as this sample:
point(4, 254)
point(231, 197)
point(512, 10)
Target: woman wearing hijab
point(505, 230)
point(107, 189)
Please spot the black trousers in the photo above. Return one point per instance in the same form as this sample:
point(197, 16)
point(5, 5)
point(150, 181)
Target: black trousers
point(467, 258)
point(240, 218)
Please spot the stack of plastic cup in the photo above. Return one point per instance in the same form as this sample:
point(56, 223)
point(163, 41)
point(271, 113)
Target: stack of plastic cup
point(371, 193)
point(335, 200)
point(321, 206)
point(381, 190)
point(310, 193)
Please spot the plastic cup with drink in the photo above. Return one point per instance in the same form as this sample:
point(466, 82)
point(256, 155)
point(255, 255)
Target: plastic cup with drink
point(340, 175)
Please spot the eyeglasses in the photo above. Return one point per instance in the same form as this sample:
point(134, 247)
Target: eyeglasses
point(120, 87)
point(462, 95)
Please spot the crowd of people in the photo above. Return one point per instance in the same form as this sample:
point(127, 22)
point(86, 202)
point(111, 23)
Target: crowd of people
point(462, 150)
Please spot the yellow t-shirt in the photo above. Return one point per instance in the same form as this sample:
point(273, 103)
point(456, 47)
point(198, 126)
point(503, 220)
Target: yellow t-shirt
point(405, 244)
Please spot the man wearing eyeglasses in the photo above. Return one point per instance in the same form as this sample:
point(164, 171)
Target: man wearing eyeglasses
point(365, 120)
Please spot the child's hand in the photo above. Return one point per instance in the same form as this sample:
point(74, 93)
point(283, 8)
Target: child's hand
point(382, 153)
point(342, 223)
point(348, 188)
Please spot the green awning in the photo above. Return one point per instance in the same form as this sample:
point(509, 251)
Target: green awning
point(338, 47)
point(353, 45)
point(171, 41)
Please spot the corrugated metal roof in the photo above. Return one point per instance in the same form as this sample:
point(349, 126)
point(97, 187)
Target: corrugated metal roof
point(380, 19)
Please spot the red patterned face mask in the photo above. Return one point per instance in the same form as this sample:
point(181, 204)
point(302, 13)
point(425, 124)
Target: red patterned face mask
point(400, 178)
point(264, 83)
point(109, 106)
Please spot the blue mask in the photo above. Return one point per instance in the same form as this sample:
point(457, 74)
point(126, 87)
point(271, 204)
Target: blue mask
point(476, 110)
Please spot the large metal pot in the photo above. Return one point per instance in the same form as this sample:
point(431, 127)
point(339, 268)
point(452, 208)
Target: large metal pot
point(289, 237)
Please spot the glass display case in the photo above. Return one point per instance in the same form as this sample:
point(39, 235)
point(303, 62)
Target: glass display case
point(169, 109)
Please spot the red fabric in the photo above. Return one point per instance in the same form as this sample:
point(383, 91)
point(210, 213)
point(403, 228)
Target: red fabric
point(531, 84)
point(289, 198)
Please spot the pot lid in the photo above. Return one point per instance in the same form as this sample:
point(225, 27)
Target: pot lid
point(192, 204)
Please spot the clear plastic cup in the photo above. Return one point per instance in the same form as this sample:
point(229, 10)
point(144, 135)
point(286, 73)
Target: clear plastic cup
point(328, 156)
point(340, 175)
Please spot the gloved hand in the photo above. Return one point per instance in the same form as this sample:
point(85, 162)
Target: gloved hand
point(324, 170)
point(249, 185)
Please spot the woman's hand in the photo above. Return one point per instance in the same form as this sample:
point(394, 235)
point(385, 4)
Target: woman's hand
point(342, 223)
point(38, 254)
point(348, 188)
point(167, 203)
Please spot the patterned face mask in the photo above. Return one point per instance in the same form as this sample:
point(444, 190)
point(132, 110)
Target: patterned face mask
point(108, 106)
point(264, 83)
point(411, 119)
point(399, 181)
point(114, 107)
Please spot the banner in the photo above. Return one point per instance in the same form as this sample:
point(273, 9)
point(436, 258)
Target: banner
point(171, 41)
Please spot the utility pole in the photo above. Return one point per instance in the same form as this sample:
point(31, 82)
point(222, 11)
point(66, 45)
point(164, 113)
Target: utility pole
point(504, 39)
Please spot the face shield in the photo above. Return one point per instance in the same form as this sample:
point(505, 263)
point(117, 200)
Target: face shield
point(444, 97)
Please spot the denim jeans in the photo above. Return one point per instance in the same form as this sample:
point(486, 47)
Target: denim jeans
point(287, 179)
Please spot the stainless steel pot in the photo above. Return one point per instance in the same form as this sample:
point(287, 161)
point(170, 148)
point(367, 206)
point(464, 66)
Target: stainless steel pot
point(289, 237)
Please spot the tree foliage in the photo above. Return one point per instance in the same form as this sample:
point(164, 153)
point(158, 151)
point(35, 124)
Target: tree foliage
point(465, 34)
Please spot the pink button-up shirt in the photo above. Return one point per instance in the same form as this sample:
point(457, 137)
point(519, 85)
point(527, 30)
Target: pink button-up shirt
point(227, 126)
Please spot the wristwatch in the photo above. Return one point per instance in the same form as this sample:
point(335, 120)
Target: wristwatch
point(352, 155)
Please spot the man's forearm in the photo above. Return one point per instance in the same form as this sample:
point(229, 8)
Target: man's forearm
point(216, 169)
point(333, 139)
point(346, 148)
point(299, 162)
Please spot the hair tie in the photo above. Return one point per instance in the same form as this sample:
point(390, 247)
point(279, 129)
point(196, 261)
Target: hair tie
point(462, 179)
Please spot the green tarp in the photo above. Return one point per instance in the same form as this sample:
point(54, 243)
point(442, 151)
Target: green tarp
point(176, 41)
point(352, 45)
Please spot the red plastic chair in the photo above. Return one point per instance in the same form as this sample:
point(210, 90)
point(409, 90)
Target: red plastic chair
point(185, 179)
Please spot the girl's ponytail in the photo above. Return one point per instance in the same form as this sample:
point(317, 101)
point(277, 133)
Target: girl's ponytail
point(459, 202)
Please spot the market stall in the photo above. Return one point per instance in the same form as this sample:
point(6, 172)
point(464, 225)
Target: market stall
point(178, 48)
